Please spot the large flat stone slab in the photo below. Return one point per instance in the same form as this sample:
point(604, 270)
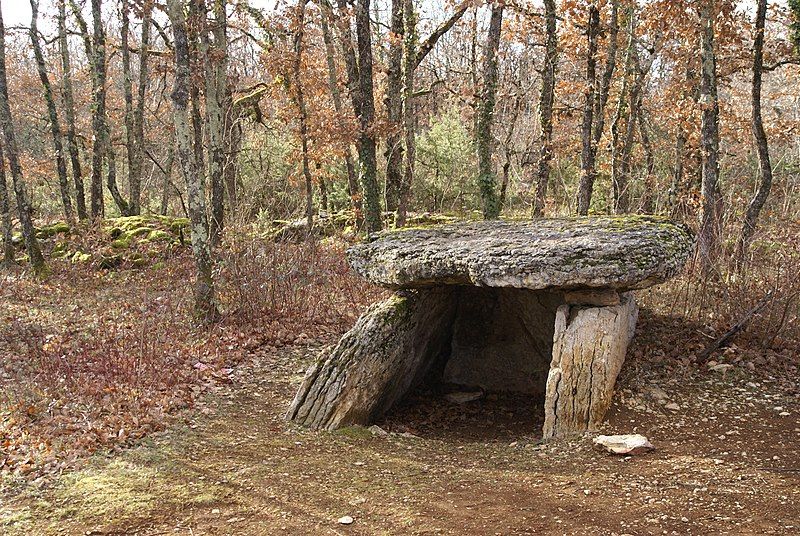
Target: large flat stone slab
point(621, 253)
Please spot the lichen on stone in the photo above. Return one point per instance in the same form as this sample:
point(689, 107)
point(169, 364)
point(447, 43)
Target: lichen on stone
point(619, 252)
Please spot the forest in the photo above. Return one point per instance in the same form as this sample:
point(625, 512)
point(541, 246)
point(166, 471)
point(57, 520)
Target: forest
point(181, 182)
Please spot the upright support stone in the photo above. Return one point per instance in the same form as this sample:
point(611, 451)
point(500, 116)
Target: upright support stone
point(388, 351)
point(589, 346)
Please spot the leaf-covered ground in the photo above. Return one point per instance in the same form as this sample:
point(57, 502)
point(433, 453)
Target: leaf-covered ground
point(726, 463)
point(220, 458)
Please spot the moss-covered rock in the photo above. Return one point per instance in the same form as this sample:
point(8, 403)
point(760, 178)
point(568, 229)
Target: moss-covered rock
point(49, 231)
point(139, 231)
point(123, 242)
point(61, 249)
point(79, 257)
point(178, 225)
point(138, 260)
point(130, 230)
point(157, 235)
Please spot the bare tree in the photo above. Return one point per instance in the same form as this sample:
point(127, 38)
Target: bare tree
point(413, 54)
point(588, 154)
point(601, 96)
point(711, 210)
point(7, 124)
point(759, 136)
point(366, 143)
point(409, 117)
point(69, 112)
point(215, 67)
point(134, 176)
point(299, 99)
point(333, 84)
point(205, 302)
point(55, 124)
point(487, 181)
point(5, 215)
point(141, 93)
point(394, 107)
point(97, 55)
point(546, 98)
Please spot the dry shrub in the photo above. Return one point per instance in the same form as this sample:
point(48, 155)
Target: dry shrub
point(306, 285)
point(709, 303)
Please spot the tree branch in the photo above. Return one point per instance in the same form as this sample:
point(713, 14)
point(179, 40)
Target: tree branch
point(427, 45)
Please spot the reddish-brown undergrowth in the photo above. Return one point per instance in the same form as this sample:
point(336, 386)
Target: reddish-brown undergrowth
point(95, 360)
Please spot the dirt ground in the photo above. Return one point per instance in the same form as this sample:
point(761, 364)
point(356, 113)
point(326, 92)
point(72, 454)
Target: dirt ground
point(726, 462)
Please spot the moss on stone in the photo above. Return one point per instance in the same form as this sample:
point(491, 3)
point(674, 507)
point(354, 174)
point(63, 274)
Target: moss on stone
point(80, 256)
point(138, 260)
point(49, 231)
point(123, 242)
point(179, 224)
point(61, 249)
point(157, 235)
point(139, 231)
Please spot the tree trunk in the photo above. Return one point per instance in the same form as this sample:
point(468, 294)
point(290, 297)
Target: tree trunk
point(409, 117)
point(134, 116)
point(394, 107)
point(323, 191)
point(649, 196)
point(215, 69)
point(546, 98)
point(760, 138)
point(197, 52)
point(141, 92)
point(681, 138)
point(55, 124)
point(5, 215)
point(69, 112)
point(167, 182)
point(586, 185)
point(302, 112)
point(233, 145)
point(366, 145)
point(677, 169)
point(97, 64)
point(711, 209)
point(413, 54)
point(23, 206)
point(134, 175)
point(205, 303)
point(622, 116)
point(219, 76)
point(487, 182)
point(111, 175)
point(601, 96)
point(333, 84)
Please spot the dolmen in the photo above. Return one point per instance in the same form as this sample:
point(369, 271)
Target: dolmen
point(542, 307)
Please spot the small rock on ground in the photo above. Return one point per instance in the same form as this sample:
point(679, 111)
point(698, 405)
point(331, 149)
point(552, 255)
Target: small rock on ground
point(623, 444)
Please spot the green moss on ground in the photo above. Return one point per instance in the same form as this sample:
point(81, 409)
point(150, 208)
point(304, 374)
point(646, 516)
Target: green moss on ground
point(49, 231)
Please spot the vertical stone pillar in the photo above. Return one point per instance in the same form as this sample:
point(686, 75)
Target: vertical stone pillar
point(589, 346)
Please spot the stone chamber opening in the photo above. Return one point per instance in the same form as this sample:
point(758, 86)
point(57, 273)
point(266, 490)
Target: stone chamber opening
point(486, 379)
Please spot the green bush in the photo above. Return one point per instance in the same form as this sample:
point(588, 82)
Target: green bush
point(445, 166)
